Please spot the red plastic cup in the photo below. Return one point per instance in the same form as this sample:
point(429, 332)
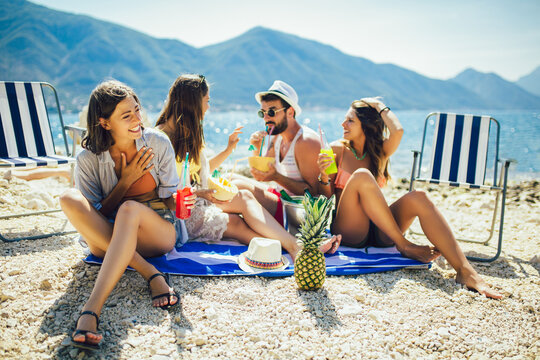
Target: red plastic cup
point(182, 212)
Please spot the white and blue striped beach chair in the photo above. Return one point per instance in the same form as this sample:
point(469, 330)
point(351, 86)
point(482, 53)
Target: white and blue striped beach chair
point(459, 158)
point(26, 139)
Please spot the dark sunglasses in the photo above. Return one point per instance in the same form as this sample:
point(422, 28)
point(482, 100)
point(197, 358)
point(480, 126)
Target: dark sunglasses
point(270, 112)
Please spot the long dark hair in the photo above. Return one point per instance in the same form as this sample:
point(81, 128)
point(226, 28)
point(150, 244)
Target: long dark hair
point(374, 129)
point(185, 107)
point(102, 103)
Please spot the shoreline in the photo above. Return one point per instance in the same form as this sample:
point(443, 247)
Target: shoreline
point(397, 314)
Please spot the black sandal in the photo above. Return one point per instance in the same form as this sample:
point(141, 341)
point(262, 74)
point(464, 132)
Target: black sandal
point(167, 294)
point(85, 344)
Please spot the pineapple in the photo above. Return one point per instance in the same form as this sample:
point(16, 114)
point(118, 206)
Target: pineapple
point(309, 265)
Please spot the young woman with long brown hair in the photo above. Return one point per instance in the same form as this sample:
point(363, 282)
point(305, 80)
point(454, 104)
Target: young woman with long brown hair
point(243, 218)
point(362, 214)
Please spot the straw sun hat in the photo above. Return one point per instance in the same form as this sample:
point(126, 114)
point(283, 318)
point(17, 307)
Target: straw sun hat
point(284, 91)
point(262, 255)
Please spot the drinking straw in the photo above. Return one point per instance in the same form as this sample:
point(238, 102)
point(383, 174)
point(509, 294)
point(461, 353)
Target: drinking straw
point(320, 135)
point(186, 167)
point(262, 144)
point(286, 196)
point(234, 167)
point(269, 142)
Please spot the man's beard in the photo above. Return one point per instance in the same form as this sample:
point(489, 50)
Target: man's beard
point(278, 128)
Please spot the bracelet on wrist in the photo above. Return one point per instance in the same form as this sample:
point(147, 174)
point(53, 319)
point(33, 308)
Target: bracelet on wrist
point(383, 109)
point(322, 182)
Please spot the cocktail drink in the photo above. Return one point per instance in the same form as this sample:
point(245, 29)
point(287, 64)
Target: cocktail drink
point(332, 169)
point(261, 163)
point(182, 212)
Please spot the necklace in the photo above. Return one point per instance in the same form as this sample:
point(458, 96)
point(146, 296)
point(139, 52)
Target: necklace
point(356, 156)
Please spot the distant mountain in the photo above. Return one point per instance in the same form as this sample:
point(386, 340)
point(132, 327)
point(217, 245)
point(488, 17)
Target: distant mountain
point(75, 53)
point(497, 92)
point(531, 82)
point(321, 74)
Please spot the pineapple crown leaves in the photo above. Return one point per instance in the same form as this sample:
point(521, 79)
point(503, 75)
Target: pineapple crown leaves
point(312, 229)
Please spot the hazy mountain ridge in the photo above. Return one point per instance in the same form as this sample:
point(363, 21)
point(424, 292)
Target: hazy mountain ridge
point(497, 91)
point(531, 82)
point(76, 52)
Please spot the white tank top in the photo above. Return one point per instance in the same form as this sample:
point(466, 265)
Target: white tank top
point(288, 167)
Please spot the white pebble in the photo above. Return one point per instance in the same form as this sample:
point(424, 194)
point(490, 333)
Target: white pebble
point(376, 315)
point(35, 204)
point(443, 332)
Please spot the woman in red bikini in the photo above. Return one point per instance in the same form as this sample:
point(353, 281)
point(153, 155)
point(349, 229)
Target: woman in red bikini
point(363, 217)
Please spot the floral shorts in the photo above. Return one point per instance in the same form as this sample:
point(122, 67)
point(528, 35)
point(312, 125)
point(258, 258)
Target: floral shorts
point(207, 222)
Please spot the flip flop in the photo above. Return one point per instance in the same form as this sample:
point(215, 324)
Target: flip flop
point(85, 344)
point(171, 292)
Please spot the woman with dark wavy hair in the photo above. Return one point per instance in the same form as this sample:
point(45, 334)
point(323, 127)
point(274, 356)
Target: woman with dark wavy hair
point(125, 181)
point(371, 134)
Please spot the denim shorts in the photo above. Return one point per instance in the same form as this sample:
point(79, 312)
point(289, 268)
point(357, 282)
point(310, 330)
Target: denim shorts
point(165, 213)
point(161, 209)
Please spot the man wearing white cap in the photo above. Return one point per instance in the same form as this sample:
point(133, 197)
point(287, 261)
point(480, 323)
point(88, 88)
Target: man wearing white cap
point(294, 147)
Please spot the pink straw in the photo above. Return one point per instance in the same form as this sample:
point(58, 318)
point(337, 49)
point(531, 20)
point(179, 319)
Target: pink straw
point(320, 135)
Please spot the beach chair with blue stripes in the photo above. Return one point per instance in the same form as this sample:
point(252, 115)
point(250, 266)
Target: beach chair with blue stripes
point(459, 157)
point(26, 139)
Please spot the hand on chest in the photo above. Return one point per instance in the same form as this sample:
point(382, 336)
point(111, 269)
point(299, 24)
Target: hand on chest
point(117, 158)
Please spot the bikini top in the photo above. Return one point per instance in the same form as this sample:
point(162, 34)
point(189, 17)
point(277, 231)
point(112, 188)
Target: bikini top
point(199, 172)
point(343, 176)
point(194, 168)
point(143, 185)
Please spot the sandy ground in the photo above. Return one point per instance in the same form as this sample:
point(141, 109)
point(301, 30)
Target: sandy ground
point(392, 315)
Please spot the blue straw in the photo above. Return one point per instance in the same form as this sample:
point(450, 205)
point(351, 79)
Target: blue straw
point(262, 144)
point(185, 170)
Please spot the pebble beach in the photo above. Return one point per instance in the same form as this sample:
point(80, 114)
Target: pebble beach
point(403, 314)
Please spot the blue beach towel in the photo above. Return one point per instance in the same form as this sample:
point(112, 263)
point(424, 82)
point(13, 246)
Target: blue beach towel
point(201, 259)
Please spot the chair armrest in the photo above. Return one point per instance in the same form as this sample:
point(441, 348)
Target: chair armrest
point(77, 133)
point(416, 152)
point(508, 161)
point(76, 130)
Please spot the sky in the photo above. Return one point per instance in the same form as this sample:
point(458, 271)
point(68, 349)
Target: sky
point(435, 38)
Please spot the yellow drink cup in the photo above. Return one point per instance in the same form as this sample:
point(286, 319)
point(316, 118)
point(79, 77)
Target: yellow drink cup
point(332, 169)
point(225, 190)
point(261, 162)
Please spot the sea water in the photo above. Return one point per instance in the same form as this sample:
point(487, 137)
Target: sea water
point(519, 134)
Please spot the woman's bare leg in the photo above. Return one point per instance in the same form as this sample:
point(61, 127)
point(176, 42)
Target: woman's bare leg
point(268, 200)
point(97, 232)
point(137, 230)
point(260, 222)
point(361, 201)
point(39, 173)
point(417, 204)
